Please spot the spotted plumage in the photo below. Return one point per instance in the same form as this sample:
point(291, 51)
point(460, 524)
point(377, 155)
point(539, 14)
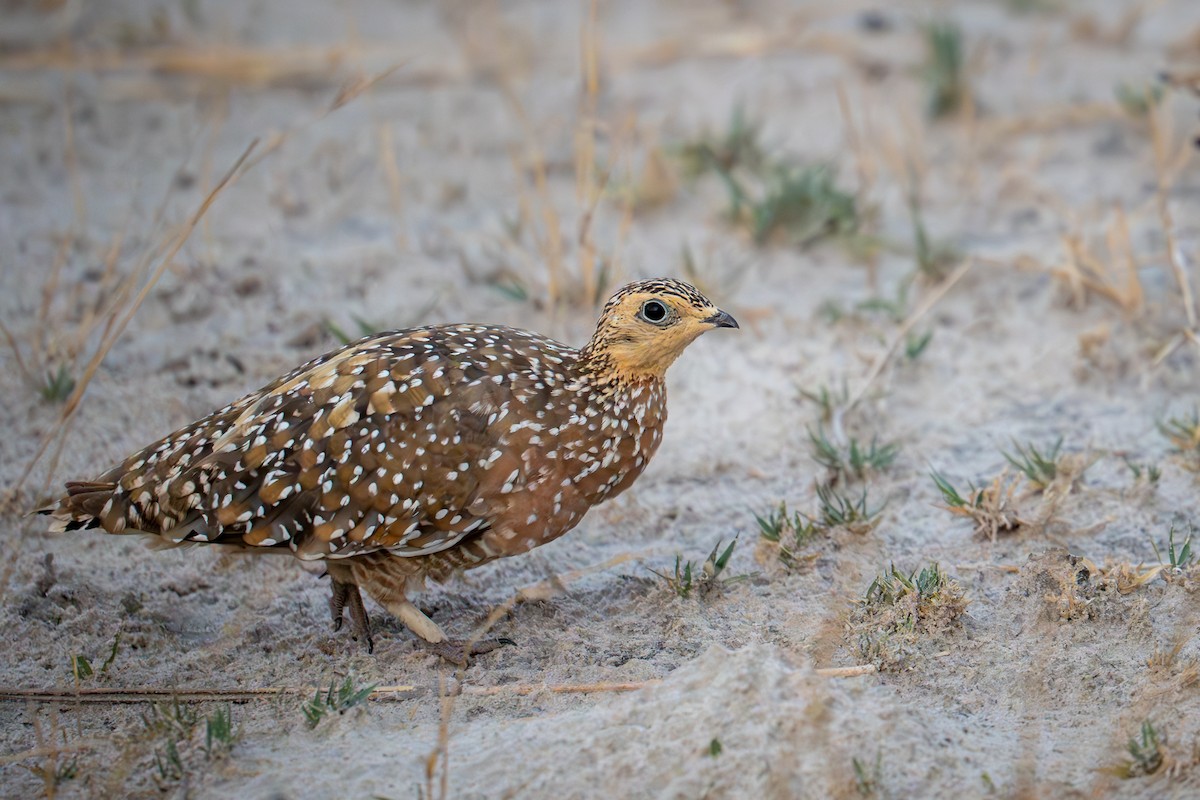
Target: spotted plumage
point(414, 453)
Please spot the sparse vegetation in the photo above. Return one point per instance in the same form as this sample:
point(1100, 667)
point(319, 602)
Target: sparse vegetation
point(1150, 473)
point(337, 699)
point(364, 328)
point(868, 776)
point(738, 148)
point(1040, 468)
point(774, 199)
point(944, 73)
point(1138, 101)
point(1177, 559)
point(990, 507)
point(854, 461)
point(797, 205)
point(81, 668)
point(1183, 432)
point(170, 724)
point(897, 608)
point(687, 579)
point(828, 398)
point(219, 734)
point(838, 510)
point(915, 344)
point(791, 533)
point(1145, 753)
point(58, 386)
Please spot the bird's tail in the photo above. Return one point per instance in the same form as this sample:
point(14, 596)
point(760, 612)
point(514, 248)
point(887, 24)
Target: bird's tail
point(81, 507)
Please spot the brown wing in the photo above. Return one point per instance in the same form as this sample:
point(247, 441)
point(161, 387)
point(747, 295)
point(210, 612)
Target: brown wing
point(408, 441)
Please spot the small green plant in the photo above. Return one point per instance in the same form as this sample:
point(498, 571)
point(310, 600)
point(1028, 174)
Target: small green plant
point(1145, 753)
point(686, 579)
point(798, 205)
point(1040, 468)
point(837, 510)
point(944, 72)
point(891, 585)
point(1148, 472)
point(168, 762)
point(990, 507)
point(897, 607)
point(81, 668)
point(915, 344)
point(934, 257)
point(868, 779)
point(1177, 559)
point(1138, 101)
point(56, 773)
point(170, 719)
point(1184, 435)
point(219, 735)
point(738, 147)
point(828, 398)
point(112, 653)
point(793, 533)
point(951, 495)
point(856, 459)
point(339, 698)
point(172, 722)
point(365, 328)
point(57, 386)
point(511, 287)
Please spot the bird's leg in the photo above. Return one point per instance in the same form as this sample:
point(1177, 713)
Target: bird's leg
point(346, 596)
point(417, 622)
point(459, 652)
point(455, 651)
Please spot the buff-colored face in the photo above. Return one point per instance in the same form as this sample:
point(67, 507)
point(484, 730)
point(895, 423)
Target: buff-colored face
point(646, 325)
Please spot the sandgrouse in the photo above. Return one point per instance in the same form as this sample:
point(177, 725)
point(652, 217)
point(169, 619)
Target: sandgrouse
point(415, 453)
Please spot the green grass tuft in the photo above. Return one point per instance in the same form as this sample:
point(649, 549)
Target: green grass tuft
point(837, 510)
point(686, 578)
point(1145, 753)
point(57, 386)
point(739, 147)
point(855, 460)
point(944, 72)
point(1040, 468)
point(339, 698)
point(1177, 559)
point(219, 734)
point(793, 533)
point(1138, 100)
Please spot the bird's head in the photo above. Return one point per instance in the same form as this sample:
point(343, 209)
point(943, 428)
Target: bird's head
point(646, 325)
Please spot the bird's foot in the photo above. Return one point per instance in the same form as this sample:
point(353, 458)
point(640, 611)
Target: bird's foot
point(346, 597)
point(460, 652)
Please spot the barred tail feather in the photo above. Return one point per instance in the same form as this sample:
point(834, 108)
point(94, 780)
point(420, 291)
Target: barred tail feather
point(80, 508)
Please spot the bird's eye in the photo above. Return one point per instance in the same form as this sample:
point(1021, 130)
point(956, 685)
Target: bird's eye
point(654, 311)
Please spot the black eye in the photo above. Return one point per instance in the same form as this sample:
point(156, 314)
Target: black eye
point(654, 311)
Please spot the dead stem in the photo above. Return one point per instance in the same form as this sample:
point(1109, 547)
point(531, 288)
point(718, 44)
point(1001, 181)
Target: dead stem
point(116, 327)
point(899, 337)
point(1160, 140)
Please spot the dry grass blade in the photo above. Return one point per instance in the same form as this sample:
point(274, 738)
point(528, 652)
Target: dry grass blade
point(898, 338)
point(234, 65)
point(1167, 163)
point(117, 323)
point(358, 85)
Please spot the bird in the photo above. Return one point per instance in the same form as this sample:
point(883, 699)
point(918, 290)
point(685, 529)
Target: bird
point(413, 454)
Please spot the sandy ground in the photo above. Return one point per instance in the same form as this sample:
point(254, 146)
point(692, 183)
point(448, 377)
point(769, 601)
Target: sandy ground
point(398, 208)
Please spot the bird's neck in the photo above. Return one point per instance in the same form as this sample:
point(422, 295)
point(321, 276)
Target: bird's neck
point(607, 373)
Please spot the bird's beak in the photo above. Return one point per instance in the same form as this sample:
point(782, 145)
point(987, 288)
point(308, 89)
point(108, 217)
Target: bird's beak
point(721, 319)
